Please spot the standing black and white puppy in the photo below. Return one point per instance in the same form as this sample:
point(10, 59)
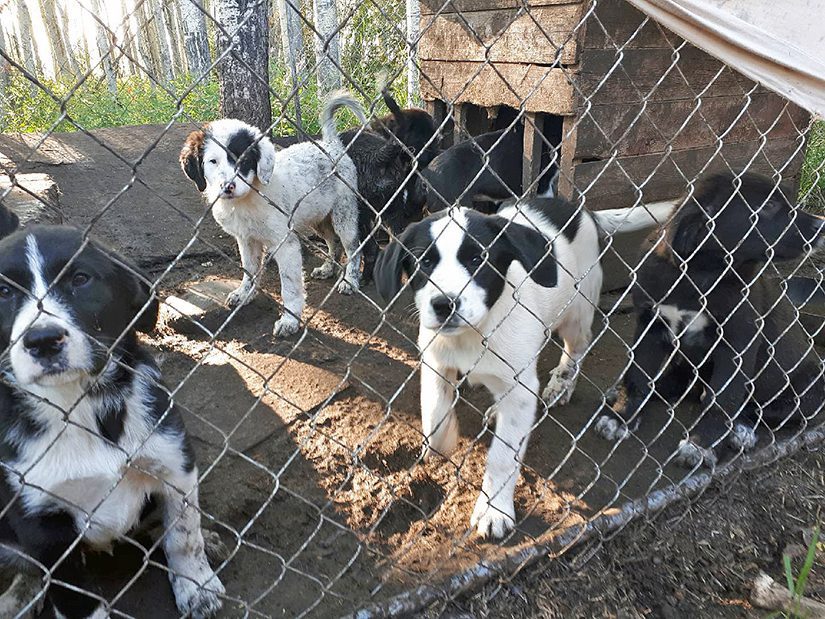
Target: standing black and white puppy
point(267, 199)
point(489, 291)
point(707, 316)
point(88, 433)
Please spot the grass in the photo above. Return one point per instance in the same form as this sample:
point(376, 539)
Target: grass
point(812, 184)
point(797, 585)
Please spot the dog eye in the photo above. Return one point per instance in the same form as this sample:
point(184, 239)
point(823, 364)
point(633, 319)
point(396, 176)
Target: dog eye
point(6, 291)
point(477, 260)
point(425, 261)
point(213, 161)
point(80, 279)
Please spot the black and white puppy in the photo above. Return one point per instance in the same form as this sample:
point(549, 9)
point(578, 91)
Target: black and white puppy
point(707, 316)
point(460, 174)
point(489, 290)
point(267, 199)
point(88, 433)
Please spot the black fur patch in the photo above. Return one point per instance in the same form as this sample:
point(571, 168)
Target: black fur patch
point(244, 151)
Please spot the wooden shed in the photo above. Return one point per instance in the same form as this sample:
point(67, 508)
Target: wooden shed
point(624, 102)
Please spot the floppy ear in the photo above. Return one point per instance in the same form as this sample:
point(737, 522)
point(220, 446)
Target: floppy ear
point(390, 267)
point(534, 252)
point(191, 158)
point(9, 222)
point(266, 160)
point(142, 300)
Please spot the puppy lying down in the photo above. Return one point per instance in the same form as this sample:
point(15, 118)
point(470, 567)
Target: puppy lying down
point(490, 290)
point(88, 433)
point(708, 318)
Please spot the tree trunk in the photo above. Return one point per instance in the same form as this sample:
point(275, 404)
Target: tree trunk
point(195, 41)
point(5, 82)
point(243, 74)
point(413, 33)
point(126, 38)
point(170, 15)
point(327, 49)
point(63, 19)
point(104, 48)
point(161, 39)
point(28, 52)
point(292, 39)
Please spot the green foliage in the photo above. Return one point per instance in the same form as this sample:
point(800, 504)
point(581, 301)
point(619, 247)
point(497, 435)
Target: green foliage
point(797, 585)
point(812, 185)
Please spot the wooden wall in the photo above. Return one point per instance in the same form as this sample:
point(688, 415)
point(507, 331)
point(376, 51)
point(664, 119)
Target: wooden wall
point(641, 108)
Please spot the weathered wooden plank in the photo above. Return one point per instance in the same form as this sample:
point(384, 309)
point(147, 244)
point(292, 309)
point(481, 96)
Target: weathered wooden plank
point(605, 77)
point(541, 89)
point(531, 164)
point(622, 129)
point(615, 23)
point(543, 36)
point(567, 148)
point(428, 7)
point(614, 182)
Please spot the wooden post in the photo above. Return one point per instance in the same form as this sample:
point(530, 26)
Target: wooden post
point(459, 123)
point(567, 165)
point(531, 167)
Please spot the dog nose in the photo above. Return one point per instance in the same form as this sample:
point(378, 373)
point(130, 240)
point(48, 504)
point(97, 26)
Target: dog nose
point(443, 306)
point(45, 342)
point(229, 187)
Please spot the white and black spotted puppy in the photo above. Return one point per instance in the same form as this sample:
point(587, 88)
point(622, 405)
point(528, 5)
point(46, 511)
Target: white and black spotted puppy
point(267, 199)
point(489, 291)
point(88, 435)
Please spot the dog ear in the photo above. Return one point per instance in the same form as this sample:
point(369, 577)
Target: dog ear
point(391, 267)
point(143, 303)
point(533, 251)
point(9, 222)
point(393, 106)
point(266, 160)
point(191, 158)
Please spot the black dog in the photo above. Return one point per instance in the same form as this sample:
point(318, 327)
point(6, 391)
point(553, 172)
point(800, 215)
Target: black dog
point(87, 431)
point(413, 127)
point(706, 315)
point(460, 174)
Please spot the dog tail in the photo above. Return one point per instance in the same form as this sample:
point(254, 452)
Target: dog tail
point(383, 85)
point(611, 221)
point(337, 100)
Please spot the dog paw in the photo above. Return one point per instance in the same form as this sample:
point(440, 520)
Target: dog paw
point(493, 520)
point(742, 437)
point(325, 271)
point(216, 550)
point(559, 388)
point(285, 326)
point(610, 428)
point(240, 296)
point(691, 455)
point(198, 597)
point(347, 287)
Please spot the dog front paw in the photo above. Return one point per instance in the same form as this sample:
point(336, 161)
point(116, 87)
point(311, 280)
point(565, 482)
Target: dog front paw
point(285, 326)
point(742, 437)
point(347, 287)
point(240, 296)
point(198, 596)
point(493, 518)
point(559, 388)
point(691, 455)
point(216, 550)
point(610, 428)
point(325, 271)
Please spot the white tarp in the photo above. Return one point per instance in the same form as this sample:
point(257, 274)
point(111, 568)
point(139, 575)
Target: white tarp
point(778, 43)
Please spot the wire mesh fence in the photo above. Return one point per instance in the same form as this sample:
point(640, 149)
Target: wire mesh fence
point(605, 228)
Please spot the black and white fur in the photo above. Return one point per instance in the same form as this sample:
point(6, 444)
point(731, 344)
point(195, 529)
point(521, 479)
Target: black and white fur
point(707, 317)
point(267, 199)
point(489, 289)
point(88, 433)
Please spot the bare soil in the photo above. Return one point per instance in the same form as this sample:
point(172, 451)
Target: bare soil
point(309, 448)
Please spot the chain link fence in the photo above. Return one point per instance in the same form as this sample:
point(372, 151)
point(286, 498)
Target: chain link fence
point(312, 486)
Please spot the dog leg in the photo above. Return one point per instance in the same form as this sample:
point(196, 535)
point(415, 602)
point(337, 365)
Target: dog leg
point(194, 584)
point(327, 270)
point(290, 269)
point(251, 253)
point(494, 512)
point(438, 420)
point(22, 592)
point(346, 226)
point(576, 336)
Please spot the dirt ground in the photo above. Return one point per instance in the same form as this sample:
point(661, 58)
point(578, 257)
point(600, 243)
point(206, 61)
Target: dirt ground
point(309, 448)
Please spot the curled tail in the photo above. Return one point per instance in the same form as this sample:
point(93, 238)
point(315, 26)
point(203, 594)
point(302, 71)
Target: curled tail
point(383, 85)
point(611, 221)
point(336, 101)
